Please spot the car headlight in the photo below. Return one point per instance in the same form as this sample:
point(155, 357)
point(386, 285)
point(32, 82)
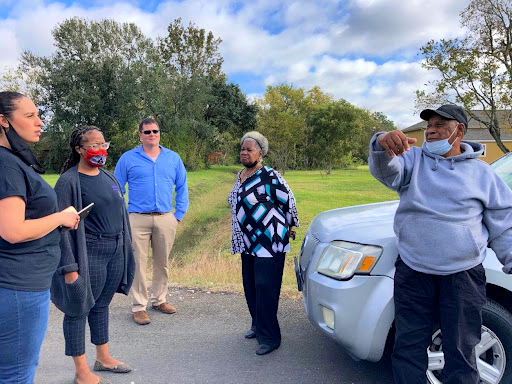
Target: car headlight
point(342, 259)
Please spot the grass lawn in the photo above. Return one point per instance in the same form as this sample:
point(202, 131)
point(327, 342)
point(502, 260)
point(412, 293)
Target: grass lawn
point(201, 253)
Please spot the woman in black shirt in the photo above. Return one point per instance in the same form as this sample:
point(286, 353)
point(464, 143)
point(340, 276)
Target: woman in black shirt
point(29, 240)
point(97, 259)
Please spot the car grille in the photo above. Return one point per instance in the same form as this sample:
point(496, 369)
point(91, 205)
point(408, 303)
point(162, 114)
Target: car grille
point(306, 250)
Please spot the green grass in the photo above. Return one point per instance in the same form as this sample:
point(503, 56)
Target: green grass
point(51, 178)
point(201, 253)
point(316, 192)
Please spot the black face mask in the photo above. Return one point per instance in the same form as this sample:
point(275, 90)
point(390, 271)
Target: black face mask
point(252, 165)
point(21, 149)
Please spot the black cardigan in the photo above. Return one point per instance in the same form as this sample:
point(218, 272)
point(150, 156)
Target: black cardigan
point(76, 299)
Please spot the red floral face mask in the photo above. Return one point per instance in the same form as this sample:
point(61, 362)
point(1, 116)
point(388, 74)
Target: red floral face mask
point(96, 157)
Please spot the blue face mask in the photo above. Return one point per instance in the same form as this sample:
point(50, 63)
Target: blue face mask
point(439, 147)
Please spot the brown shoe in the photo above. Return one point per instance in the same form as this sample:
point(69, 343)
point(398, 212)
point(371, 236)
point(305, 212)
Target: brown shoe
point(165, 308)
point(141, 317)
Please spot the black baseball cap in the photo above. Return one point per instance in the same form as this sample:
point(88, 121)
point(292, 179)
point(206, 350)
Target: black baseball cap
point(448, 111)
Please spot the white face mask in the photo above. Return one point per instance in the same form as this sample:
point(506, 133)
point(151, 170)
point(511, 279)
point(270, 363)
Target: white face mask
point(439, 147)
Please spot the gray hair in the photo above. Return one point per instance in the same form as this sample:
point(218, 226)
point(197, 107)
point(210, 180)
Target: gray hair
point(259, 138)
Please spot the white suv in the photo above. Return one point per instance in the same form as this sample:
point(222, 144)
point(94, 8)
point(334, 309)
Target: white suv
point(345, 272)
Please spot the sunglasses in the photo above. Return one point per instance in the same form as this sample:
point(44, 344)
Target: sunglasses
point(148, 131)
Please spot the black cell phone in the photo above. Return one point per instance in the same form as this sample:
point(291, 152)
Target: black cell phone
point(85, 211)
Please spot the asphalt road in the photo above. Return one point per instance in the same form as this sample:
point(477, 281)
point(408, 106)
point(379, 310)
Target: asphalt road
point(203, 343)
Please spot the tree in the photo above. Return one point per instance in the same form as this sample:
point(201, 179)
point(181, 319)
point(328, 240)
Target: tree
point(192, 64)
point(229, 109)
point(310, 129)
point(16, 80)
point(109, 74)
point(315, 97)
point(232, 115)
point(475, 70)
point(372, 123)
point(190, 51)
point(94, 78)
point(282, 119)
point(339, 130)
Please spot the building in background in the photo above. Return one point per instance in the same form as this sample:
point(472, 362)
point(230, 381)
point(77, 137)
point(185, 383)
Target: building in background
point(476, 132)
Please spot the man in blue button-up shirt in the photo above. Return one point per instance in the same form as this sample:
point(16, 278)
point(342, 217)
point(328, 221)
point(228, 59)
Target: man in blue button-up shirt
point(151, 172)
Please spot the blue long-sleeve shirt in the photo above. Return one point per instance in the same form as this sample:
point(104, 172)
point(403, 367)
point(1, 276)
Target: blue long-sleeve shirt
point(151, 182)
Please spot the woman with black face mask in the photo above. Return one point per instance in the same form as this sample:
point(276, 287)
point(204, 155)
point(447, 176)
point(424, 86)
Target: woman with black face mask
point(263, 216)
point(29, 240)
point(97, 259)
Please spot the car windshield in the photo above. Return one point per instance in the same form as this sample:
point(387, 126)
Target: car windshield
point(503, 167)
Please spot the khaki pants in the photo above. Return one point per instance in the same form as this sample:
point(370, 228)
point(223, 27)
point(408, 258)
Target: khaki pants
point(160, 231)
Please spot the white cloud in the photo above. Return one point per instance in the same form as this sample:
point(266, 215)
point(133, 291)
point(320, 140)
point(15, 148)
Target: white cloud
point(270, 80)
point(362, 50)
point(10, 46)
point(34, 21)
point(298, 71)
point(379, 27)
point(388, 88)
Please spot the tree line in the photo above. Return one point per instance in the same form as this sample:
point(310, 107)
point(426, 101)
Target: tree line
point(111, 75)
point(309, 129)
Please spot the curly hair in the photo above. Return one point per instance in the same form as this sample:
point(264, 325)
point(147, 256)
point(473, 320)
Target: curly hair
point(75, 141)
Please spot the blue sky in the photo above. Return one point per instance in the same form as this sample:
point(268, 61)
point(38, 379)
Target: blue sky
point(365, 51)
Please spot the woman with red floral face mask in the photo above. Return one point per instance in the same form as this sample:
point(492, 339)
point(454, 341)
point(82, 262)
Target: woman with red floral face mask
point(97, 259)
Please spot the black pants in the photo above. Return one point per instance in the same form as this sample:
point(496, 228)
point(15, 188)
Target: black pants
point(106, 267)
point(262, 277)
point(458, 300)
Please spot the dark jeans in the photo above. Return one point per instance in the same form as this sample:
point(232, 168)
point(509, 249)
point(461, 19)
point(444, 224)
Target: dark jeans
point(23, 321)
point(106, 266)
point(262, 277)
point(458, 300)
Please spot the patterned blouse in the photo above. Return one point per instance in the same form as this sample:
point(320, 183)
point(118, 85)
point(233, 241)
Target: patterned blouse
point(262, 210)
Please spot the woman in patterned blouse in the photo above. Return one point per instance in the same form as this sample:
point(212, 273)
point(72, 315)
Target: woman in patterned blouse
point(263, 216)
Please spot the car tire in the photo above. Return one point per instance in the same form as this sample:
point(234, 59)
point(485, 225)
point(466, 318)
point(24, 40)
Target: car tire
point(494, 353)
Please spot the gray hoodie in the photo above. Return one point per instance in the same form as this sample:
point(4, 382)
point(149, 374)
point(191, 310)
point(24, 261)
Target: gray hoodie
point(451, 209)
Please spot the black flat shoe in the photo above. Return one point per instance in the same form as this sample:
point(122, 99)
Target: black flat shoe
point(250, 334)
point(263, 349)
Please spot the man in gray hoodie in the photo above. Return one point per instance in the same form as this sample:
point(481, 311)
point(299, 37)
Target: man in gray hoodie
point(452, 206)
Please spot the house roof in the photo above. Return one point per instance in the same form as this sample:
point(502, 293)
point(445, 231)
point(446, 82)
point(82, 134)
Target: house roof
point(484, 134)
point(476, 129)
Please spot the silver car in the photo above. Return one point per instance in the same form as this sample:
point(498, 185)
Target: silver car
point(345, 272)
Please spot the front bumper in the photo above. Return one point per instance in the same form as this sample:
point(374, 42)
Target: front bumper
point(362, 307)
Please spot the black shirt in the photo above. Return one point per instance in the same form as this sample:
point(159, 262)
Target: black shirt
point(106, 216)
point(29, 265)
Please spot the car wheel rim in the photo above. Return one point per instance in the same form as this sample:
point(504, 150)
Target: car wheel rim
point(490, 358)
